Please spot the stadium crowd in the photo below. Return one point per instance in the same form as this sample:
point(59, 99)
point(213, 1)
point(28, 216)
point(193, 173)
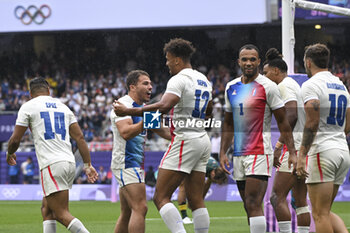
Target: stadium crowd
point(88, 87)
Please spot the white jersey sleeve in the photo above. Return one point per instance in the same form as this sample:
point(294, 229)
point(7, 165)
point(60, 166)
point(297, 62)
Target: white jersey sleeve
point(288, 92)
point(176, 85)
point(310, 92)
point(124, 100)
point(273, 97)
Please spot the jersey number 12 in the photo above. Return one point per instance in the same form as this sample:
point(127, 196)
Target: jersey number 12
point(205, 96)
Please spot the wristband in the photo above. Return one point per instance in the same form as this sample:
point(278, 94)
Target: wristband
point(86, 165)
point(278, 145)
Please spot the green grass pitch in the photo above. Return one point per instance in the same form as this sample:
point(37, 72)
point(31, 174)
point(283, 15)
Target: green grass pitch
point(100, 217)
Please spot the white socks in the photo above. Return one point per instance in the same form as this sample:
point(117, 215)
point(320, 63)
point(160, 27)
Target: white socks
point(49, 226)
point(76, 226)
point(257, 224)
point(172, 218)
point(285, 226)
point(201, 220)
point(303, 229)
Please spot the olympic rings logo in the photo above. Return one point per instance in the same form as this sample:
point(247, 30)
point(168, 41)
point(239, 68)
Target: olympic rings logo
point(10, 193)
point(33, 14)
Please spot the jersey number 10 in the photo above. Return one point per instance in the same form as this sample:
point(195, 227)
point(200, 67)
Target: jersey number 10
point(340, 105)
point(60, 127)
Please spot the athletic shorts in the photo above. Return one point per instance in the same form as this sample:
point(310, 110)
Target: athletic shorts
point(247, 165)
point(57, 177)
point(187, 155)
point(132, 175)
point(284, 163)
point(328, 166)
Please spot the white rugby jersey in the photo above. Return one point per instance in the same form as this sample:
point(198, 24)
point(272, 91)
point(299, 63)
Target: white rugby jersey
point(195, 91)
point(334, 100)
point(49, 120)
point(127, 153)
point(251, 106)
point(291, 91)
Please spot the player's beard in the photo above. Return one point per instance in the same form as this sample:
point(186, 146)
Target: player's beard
point(250, 75)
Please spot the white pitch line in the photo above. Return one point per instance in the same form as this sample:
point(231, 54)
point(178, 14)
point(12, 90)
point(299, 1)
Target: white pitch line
point(213, 218)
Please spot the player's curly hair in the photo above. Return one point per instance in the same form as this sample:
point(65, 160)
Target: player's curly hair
point(274, 59)
point(319, 54)
point(180, 48)
point(38, 84)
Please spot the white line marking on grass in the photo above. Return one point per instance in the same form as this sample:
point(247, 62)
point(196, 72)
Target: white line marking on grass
point(212, 218)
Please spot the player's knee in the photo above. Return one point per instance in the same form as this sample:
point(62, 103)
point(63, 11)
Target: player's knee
point(273, 199)
point(142, 208)
point(252, 203)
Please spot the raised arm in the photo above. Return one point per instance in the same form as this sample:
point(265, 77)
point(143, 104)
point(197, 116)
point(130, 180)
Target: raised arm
point(167, 102)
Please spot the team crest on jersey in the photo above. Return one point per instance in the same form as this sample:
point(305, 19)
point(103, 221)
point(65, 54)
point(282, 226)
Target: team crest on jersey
point(151, 120)
point(234, 92)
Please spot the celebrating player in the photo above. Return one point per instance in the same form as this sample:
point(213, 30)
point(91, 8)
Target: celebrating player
point(52, 124)
point(188, 92)
point(250, 100)
point(128, 155)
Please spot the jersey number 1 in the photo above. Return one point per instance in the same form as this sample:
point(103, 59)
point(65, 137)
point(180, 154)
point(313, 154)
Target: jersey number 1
point(205, 96)
point(60, 127)
point(340, 105)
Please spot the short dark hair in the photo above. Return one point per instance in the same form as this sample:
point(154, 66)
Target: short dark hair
point(319, 54)
point(249, 47)
point(180, 48)
point(274, 59)
point(133, 77)
point(38, 84)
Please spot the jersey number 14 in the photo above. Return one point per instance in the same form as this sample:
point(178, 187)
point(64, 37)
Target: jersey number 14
point(60, 127)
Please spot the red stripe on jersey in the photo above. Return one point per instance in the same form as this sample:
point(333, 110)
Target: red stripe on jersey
point(255, 158)
point(268, 164)
point(172, 140)
point(319, 166)
point(42, 182)
point(53, 179)
point(172, 127)
point(180, 156)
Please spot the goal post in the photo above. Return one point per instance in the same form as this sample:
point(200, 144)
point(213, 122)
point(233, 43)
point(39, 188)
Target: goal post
point(288, 10)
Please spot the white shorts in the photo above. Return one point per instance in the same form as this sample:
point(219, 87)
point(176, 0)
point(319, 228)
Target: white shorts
point(284, 162)
point(132, 175)
point(327, 166)
point(187, 155)
point(247, 165)
point(57, 177)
